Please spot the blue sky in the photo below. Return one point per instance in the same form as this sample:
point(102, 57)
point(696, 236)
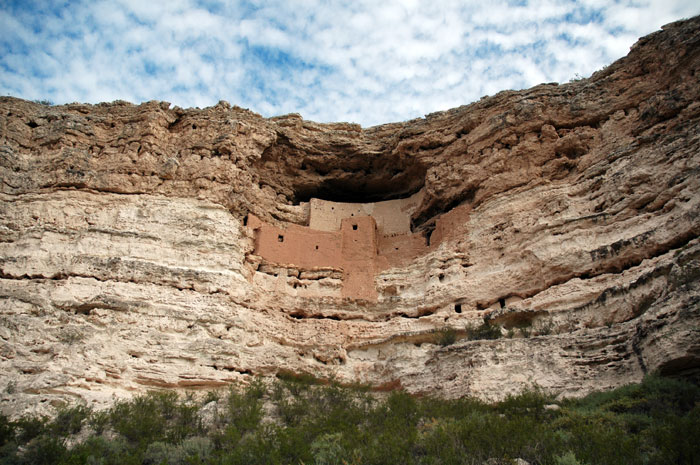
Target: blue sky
point(368, 62)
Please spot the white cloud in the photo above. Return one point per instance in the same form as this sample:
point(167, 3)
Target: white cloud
point(364, 61)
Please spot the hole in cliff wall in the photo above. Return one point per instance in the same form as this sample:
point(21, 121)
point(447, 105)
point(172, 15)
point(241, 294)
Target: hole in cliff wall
point(458, 308)
point(427, 233)
point(502, 302)
point(354, 227)
point(280, 238)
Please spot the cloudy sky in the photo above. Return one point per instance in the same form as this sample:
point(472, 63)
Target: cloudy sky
point(368, 62)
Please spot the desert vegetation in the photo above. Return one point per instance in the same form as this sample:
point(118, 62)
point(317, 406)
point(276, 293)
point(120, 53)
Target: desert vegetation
point(299, 420)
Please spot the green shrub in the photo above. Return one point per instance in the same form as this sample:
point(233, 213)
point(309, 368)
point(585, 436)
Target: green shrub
point(98, 420)
point(7, 430)
point(485, 330)
point(97, 450)
point(44, 450)
point(211, 396)
point(568, 458)
point(327, 449)
point(297, 378)
point(160, 416)
point(445, 337)
point(244, 409)
point(192, 450)
point(528, 402)
point(656, 422)
point(69, 420)
point(30, 428)
point(142, 419)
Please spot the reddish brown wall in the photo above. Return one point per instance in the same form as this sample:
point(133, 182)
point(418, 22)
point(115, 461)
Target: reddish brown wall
point(359, 256)
point(300, 246)
point(451, 225)
point(400, 250)
point(357, 248)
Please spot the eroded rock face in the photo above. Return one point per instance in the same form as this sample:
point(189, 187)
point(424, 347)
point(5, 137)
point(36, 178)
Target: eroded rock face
point(565, 214)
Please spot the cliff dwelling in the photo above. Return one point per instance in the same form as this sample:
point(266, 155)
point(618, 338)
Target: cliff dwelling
point(356, 239)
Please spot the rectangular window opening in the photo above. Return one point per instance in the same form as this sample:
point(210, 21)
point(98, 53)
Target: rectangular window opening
point(280, 238)
point(354, 227)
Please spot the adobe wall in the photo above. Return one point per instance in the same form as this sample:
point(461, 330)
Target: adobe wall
point(296, 245)
point(451, 224)
point(400, 250)
point(391, 216)
point(359, 256)
point(353, 249)
point(358, 246)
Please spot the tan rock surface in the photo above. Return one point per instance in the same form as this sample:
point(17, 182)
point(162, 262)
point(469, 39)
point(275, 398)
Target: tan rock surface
point(125, 264)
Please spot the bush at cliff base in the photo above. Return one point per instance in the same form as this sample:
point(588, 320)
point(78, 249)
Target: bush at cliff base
point(298, 420)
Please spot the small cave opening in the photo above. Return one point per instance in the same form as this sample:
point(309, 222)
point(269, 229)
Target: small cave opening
point(502, 302)
point(458, 308)
point(427, 233)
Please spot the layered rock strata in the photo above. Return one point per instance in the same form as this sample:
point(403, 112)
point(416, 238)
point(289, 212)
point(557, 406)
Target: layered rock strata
point(567, 215)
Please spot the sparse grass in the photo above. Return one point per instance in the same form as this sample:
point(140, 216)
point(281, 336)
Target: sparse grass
point(298, 420)
point(445, 337)
point(485, 330)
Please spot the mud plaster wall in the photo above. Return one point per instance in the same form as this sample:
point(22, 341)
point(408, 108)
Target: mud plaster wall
point(451, 225)
point(391, 216)
point(357, 247)
point(296, 245)
point(359, 238)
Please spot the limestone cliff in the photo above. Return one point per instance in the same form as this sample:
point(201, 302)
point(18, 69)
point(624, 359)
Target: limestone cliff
point(133, 252)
